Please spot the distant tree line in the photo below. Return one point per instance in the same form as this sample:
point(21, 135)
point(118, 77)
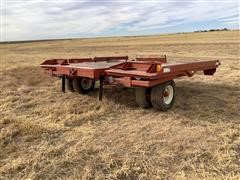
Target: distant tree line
point(210, 30)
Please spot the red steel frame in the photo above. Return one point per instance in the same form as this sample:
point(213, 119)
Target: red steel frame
point(80, 67)
point(145, 72)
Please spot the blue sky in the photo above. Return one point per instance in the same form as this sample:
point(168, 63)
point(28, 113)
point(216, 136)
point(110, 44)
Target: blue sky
point(51, 19)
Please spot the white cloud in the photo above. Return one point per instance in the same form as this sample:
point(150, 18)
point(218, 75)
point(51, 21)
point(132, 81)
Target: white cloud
point(41, 19)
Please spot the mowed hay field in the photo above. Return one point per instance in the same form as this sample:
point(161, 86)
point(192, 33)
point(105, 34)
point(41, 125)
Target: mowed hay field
point(45, 134)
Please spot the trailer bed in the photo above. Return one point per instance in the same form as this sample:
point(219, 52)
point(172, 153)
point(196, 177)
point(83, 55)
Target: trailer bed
point(151, 69)
point(88, 65)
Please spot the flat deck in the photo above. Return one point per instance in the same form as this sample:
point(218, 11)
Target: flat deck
point(128, 73)
point(94, 65)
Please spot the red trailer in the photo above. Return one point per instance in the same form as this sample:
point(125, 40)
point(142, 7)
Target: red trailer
point(152, 77)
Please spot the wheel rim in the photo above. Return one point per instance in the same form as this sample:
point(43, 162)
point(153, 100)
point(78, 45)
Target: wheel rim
point(168, 94)
point(86, 83)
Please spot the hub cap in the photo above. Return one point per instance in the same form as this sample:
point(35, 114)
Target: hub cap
point(168, 94)
point(86, 83)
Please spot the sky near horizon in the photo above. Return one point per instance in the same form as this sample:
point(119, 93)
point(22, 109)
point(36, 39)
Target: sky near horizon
point(56, 19)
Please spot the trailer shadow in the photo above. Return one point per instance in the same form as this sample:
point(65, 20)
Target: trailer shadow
point(194, 100)
point(210, 102)
point(120, 95)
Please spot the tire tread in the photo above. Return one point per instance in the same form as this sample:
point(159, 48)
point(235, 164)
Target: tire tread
point(157, 96)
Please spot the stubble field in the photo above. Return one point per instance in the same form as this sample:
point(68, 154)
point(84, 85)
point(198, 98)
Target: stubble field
point(45, 134)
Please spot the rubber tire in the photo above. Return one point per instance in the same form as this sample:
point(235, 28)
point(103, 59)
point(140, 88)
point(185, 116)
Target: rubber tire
point(142, 97)
point(78, 88)
point(157, 93)
point(69, 83)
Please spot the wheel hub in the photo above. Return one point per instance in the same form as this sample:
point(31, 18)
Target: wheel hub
point(168, 94)
point(86, 83)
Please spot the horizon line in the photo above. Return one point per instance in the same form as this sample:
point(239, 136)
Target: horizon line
point(120, 36)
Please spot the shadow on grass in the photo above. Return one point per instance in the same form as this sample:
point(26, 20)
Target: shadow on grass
point(194, 100)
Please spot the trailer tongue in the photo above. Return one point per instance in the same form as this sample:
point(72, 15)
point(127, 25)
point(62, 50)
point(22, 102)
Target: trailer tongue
point(152, 77)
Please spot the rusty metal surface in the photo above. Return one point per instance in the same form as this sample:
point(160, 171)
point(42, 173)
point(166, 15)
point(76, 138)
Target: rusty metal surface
point(95, 65)
point(170, 69)
point(139, 72)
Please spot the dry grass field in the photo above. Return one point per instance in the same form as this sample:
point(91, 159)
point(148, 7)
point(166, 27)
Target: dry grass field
point(45, 134)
